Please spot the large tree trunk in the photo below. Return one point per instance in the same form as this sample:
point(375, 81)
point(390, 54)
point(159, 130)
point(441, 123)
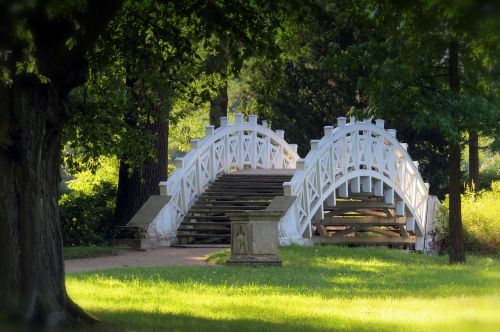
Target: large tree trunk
point(218, 64)
point(32, 285)
point(456, 238)
point(218, 106)
point(473, 160)
point(135, 188)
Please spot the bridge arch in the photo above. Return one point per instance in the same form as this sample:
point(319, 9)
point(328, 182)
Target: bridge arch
point(354, 157)
point(243, 144)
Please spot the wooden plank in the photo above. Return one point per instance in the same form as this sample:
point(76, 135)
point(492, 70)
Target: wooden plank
point(373, 213)
point(322, 230)
point(382, 232)
point(345, 232)
point(362, 205)
point(380, 240)
point(337, 221)
point(403, 232)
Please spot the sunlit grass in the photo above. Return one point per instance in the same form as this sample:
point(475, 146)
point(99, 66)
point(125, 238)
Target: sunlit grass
point(319, 288)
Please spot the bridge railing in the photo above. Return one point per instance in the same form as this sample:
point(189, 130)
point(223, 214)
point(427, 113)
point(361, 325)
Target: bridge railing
point(368, 155)
point(227, 148)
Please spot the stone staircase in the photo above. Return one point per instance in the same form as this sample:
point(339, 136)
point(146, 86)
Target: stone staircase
point(206, 222)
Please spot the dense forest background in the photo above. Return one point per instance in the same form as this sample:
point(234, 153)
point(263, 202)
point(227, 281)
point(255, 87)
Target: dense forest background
point(149, 94)
point(97, 99)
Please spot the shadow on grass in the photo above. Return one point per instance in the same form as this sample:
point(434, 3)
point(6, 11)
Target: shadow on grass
point(141, 321)
point(333, 272)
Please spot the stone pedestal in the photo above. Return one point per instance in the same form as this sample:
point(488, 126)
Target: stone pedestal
point(254, 238)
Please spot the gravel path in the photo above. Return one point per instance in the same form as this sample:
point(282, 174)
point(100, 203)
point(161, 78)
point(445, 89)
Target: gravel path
point(133, 258)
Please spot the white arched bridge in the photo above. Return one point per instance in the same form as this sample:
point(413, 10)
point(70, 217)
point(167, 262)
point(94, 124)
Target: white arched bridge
point(357, 185)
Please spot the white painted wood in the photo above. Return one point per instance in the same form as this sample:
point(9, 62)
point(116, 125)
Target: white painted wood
point(343, 190)
point(400, 208)
point(378, 188)
point(410, 224)
point(360, 153)
point(222, 150)
point(366, 184)
point(389, 196)
point(355, 186)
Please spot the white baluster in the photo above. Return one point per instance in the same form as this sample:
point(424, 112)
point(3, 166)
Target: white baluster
point(280, 133)
point(344, 190)
point(355, 186)
point(392, 132)
point(179, 162)
point(341, 122)
point(379, 123)
point(366, 184)
point(389, 196)
point(314, 145)
point(328, 130)
point(400, 208)
point(238, 119)
point(195, 144)
point(224, 121)
point(209, 130)
point(378, 189)
point(252, 119)
point(163, 188)
point(253, 150)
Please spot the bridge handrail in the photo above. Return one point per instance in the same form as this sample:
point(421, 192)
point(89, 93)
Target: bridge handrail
point(321, 170)
point(221, 150)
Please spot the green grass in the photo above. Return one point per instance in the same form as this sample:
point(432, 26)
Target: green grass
point(317, 289)
point(88, 252)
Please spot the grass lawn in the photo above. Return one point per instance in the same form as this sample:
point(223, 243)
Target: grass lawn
point(318, 289)
point(88, 252)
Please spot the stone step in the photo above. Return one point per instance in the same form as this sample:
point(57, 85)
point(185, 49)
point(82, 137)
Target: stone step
point(204, 229)
point(223, 209)
point(189, 217)
point(206, 223)
point(208, 203)
point(229, 195)
point(243, 187)
point(196, 235)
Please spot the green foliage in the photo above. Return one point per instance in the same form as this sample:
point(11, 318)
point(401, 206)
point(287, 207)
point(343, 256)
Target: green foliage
point(480, 220)
point(489, 170)
point(86, 211)
point(327, 288)
point(489, 163)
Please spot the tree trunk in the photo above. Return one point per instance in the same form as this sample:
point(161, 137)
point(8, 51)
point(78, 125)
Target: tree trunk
point(218, 106)
point(456, 238)
point(473, 160)
point(217, 64)
point(135, 188)
point(32, 287)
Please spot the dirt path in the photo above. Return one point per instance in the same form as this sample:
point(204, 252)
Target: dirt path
point(133, 258)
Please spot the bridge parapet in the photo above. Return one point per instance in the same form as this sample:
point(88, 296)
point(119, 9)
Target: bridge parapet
point(232, 146)
point(356, 157)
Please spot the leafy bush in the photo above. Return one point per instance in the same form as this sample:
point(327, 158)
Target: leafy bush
point(87, 219)
point(480, 220)
point(86, 210)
